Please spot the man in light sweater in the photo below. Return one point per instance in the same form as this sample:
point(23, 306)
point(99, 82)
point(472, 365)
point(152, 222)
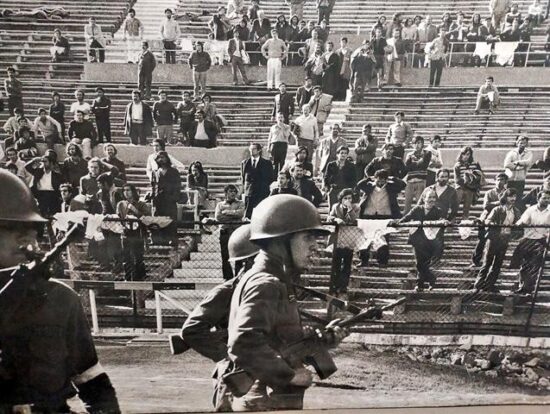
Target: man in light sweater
point(274, 50)
point(517, 162)
point(48, 127)
point(169, 33)
point(307, 130)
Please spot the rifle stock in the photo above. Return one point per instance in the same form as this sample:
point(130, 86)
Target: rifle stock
point(312, 350)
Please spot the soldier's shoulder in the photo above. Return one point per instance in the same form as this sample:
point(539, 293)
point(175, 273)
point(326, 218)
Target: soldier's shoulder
point(62, 290)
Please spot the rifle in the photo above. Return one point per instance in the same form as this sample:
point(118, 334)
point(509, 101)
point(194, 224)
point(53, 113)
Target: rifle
point(25, 275)
point(311, 350)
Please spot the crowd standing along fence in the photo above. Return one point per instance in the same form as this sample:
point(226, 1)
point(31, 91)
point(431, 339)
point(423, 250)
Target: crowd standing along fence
point(151, 272)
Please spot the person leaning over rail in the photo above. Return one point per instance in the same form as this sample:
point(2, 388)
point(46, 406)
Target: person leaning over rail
point(48, 354)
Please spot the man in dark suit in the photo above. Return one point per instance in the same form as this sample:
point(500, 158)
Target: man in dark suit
point(45, 183)
point(202, 132)
point(256, 175)
point(304, 186)
point(304, 93)
point(284, 104)
point(146, 66)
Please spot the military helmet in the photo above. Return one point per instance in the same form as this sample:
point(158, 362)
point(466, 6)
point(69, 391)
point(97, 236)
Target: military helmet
point(284, 214)
point(16, 201)
point(239, 244)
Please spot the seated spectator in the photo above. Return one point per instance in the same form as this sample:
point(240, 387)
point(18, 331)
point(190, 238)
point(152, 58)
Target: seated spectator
point(487, 96)
point(417, 172)
point(13, 169)
point(197, 180)
point(365, 150)
point(57, 112)
point(446, 22)
point(82, 132)
point(278, 140)
point(202, 132)
point(535, 13)
point(45, 183)
point(12, 123)
point(530, 199)
point(529, 253)
point(306, 30)
point(13, 160)
point(427, 242)
point(283, 184)
point(544, 163)
point(219, 24)
point(315, 67)
point(95, 41)
point(339, 174)
point(506, 214)
point(235, 9)
point(21, 122)
point(344, 213)
point(477, 32)
point(110, 158)
point(49, 128)
point(151, 165)
point(512, 33)
point(304, 186)
point(186, 114)
point(211, 112)
point(446, 195)
point(282, 27)
point(25, 144)
point(301, 156)
point(61, 47)
point(512, 15)
point(436, 162)
point(73, 167)
point(379, 201)
point(80, 105)
point(468, 178)
point(393, 165)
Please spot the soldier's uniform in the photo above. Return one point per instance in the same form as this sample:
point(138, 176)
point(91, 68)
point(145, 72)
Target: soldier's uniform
point(263, 319)
point(48, 354)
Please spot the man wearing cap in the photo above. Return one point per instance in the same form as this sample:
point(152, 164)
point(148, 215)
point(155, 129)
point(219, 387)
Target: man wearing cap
point(275, 51)
point(146, 66)
point(101, 108)
point(399, 134)
point(169, 33)
point(264, 315)
point(200, 62)
point(48, 354)
point(138, 120)
point(165, 115)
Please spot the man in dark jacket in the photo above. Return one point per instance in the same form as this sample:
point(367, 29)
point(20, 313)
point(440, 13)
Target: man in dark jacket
point(417, 172)
point(362, 65)
point(200, 62)
point(146, 66)
point(101, 108)
point(304, 186)
point(304, 93)
point(109, 196)
point(186, 114)
point(256, 176)
point(202, 132)
point(45, 183)
point(165, 115)
point(338, 175)
point(447, 197)
point(393, 165)
point(138, 120)
point(284, 104)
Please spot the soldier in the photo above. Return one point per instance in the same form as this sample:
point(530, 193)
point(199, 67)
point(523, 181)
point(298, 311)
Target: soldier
point(48, 354)
point(264, 313)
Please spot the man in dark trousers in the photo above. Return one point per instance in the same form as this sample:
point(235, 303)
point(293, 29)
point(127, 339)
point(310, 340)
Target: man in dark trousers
point(48, 353)
point(45, 183)
point(165, 115)
point(304, 186)
point(14, 91)
point(236, 51)
point(101, 108)
point(304, 92)
point(256, 176)
point(202, 132)
point(393, 165)
point(138, 120)
point(186, 114)
point(447, 197)
point(146, 66)
point(338, 175)
point(284, 104)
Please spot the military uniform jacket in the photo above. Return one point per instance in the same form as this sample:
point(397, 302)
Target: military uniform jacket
point(263, 319)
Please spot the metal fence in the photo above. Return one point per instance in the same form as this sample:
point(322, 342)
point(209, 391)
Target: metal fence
point(132, 274)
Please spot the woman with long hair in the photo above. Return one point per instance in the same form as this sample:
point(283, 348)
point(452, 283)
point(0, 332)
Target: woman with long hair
point(197, 180)
point(468, 178)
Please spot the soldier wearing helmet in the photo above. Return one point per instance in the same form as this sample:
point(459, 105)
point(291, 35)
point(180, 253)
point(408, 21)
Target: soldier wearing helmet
point(47, 351)
point(264, 313)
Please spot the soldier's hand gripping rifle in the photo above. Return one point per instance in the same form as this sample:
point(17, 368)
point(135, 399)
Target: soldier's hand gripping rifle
point(311, 350)
point(24, 277)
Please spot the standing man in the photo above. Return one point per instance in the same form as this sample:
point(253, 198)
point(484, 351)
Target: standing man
point(307, 131)
point(45, 183)
point(169, 34)
point(365, 150)
point(498, 10)
point(146, 66)
point(338, 175)
point(446, 195)
point(437, 52)
point(328, 147)
point(321, 105)
point(283, 104)
point(275, 51)
point(48, 127)
point(379, 45)
point(296, 8)
point(323, 11)
point(331, 72)
point(399, 134)
point(228, 214)
point(199, 62)
point(101, 108)
point(517, 162)
point(530, 250)
point(138, 120)
point(344, 56)
point(417, 171)
point(363, 63)
point(202, 132)
point(304, 186)
point(95, 42)
point(132, 34)
point(236, 52)
point(165, 115)
point(395, 58)
point(304, 92)
point(256, 176)
point(59, 328)
point(186, 114)
point(277, 143)
point(14, 91)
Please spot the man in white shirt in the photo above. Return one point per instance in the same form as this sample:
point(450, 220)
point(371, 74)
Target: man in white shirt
point(275, 51)
point(307, 129)
point(80, 105)
point(132, 33)
point(169, 33)
point(95, 42)
point(160, 145)
point(48, 127)
point(517, 162)
point(530, 251)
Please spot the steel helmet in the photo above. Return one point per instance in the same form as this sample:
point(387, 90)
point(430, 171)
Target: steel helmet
point(239, 244)
point(16, 200)
point(284, 214)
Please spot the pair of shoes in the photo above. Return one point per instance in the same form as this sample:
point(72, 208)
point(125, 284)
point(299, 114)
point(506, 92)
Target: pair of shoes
point(431, 287)
point(476, 112)
point(398, 85)
point(418, 289)
point(491, 112)
point(235, 83)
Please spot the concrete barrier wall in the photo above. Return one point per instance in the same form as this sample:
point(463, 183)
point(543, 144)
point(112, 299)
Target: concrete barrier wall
point(294, 75)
